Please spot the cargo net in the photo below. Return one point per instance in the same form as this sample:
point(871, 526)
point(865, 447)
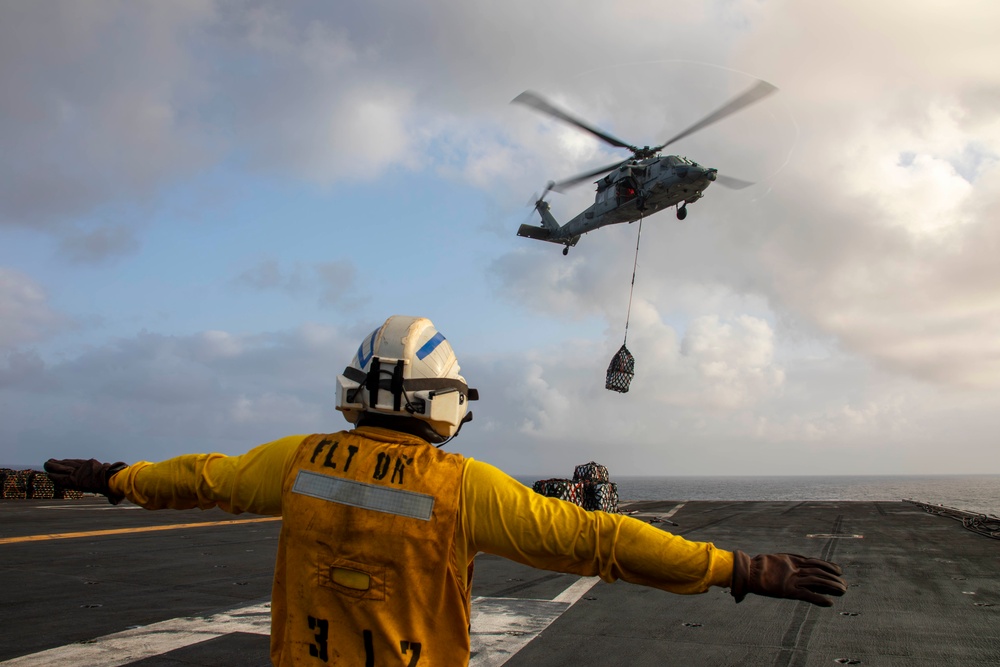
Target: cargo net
point(563, 489)
point(590, 488)
point(591, 472)
point(620, 371)
point(28, 484)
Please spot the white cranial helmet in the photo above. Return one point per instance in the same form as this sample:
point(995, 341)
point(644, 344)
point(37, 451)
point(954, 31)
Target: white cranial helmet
point(406, 368)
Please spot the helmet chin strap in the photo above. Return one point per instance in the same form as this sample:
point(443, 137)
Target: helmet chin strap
point(467, 418)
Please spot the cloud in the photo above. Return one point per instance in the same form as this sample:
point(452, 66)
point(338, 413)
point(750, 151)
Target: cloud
point(873, 228)
point(152, 396)
point(268, 275)
point(25, 370)
point(733, 362)
point(716, 368)
point(883, 232)
point(97, 245)
point(847, 301)
point(817, 415)
point(96, 106)
point(25, 316)
point(113, 104)
point(338, 281)
point(334, 282)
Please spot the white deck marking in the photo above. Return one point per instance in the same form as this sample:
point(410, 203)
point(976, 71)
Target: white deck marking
point(500, 628)
point(656, 517)
point(673, 511)
point(503, 626)
point(129, 646)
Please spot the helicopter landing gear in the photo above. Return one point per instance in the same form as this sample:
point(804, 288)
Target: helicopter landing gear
point(682, 212)
point(566, 250)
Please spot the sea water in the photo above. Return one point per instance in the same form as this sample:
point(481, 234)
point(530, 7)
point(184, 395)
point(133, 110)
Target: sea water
point(972, 493)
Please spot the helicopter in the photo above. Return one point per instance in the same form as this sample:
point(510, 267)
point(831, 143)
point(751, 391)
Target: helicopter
point(642, 184)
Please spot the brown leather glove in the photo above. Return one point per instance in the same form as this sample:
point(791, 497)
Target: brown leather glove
point(787, 576)
point(88, 475)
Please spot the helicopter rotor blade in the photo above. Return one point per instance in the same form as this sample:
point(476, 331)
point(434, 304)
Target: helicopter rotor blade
point(576, 180)
point(535, 101)
point(758, 91)
point(732, 183)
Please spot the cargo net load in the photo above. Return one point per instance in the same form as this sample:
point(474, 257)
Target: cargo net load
point(591, 488)
point(28, 484)
point(620, 371)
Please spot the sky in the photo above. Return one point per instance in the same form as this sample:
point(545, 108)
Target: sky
point(205, 206)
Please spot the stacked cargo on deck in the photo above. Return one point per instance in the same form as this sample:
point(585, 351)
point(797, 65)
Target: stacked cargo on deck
point(42, 486)
point(14, 484)
point(26, 484)
point(591, 488)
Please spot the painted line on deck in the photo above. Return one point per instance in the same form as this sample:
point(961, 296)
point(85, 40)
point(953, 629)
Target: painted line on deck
point(646, 516)
point(673, 511)
point(123, 531)
point(123, 648)
point(503, 626)
point(500, 628)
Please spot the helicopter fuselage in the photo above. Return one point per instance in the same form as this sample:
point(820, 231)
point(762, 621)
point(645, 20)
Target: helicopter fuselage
point(636, 189)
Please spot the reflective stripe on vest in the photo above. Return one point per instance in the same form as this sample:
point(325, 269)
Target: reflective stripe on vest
point(365, 496)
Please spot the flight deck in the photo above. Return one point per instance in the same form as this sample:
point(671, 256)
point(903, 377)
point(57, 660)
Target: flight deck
point(87, 583)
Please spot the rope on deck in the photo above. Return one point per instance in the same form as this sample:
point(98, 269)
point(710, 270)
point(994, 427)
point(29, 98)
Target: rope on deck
point(983, 524)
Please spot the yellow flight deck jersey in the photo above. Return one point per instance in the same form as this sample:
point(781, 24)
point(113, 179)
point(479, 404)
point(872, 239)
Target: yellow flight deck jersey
point(379, 530)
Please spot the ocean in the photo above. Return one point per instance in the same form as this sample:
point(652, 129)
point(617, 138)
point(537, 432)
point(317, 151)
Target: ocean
point(972, 493)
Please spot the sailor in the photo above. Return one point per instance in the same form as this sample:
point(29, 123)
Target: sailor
point(380, 526)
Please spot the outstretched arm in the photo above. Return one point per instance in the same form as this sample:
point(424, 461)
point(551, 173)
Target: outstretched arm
point(247, 483)
point(503, 517)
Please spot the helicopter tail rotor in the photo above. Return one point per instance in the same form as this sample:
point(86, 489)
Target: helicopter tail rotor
point(549, 187)
point(537, 199)
point(537, 202)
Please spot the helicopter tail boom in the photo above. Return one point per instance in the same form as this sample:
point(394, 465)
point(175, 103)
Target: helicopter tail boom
point(550, 224)
point(542, 234)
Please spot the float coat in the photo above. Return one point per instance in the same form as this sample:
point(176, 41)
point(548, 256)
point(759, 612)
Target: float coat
point(366, 573)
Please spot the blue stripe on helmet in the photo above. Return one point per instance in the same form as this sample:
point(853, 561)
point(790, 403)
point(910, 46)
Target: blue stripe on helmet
point(430, 345)
point(362, 359)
